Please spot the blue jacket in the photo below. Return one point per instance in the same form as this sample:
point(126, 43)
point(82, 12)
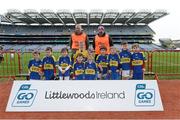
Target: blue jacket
point(35, 67)
point(125, 59)
point(49, 67)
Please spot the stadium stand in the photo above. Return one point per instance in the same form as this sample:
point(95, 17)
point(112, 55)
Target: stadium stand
point(30, 29)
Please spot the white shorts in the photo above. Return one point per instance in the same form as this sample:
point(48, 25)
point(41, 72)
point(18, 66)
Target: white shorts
point(65, 78)
point(125, 73)
point(12, 56)
point(33, 79)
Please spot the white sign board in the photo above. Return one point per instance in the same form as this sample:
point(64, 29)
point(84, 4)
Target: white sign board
point(87, 95)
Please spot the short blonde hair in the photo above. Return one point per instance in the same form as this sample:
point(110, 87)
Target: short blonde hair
point(90, 57)
point(135, 45)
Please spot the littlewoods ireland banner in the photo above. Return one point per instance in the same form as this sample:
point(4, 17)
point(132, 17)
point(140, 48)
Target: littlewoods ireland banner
point(97, 95)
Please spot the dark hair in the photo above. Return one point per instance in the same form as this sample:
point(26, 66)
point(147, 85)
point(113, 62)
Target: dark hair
point(64, 49)
point(48, 49)
point(124, 43)
point(36, 52)
point(135, 45)
point(103, 48)
point(101, 26)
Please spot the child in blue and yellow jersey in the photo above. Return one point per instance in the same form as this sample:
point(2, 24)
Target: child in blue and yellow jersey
point(125, 61)
point(102, 63)
point(35, 67)
point(90, 69)
point(114, 64)
point(137, 63)
point(64, 64)
point(49, 63)
point(79, 67)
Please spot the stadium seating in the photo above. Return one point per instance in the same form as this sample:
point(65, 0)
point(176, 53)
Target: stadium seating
point(53, 29)
point(61, 35)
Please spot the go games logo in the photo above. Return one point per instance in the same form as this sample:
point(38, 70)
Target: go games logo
point(144, 96)
point(25, 96)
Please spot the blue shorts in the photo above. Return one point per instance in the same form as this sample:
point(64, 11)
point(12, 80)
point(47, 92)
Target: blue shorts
point(90, 77)
point(114, 76)
point(138, 76)
point(80, 77)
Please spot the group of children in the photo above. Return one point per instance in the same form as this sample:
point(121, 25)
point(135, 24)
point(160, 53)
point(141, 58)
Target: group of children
point(85, 65)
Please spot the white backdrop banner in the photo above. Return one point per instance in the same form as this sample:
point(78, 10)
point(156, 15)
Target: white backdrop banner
point(87, 95)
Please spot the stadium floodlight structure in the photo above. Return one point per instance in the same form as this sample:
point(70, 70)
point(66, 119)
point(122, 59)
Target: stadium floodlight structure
point(67, 17)
point(138, 16)
point(36, 16)
point(124, 17)
point(95, 17)
point(153, 16)
point(109, 16)
point(5, 20)
point(81, 17)
point(51, 16)
point(16, 17)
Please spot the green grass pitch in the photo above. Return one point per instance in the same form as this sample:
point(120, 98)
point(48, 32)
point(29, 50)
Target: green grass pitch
point(162, 63)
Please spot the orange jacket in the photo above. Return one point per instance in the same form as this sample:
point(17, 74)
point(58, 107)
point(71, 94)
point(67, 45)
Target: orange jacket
point(102, 42)
point(78, 39)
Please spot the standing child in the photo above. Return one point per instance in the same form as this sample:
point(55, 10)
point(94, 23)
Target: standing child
point(64, 64)
point(90, 69)
point(102, 63)
point(49, 63)
point(35, 67)
point(138, 63)
point(81, 50)
point(79, 67)
point(114, 64)
point(125, 60)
